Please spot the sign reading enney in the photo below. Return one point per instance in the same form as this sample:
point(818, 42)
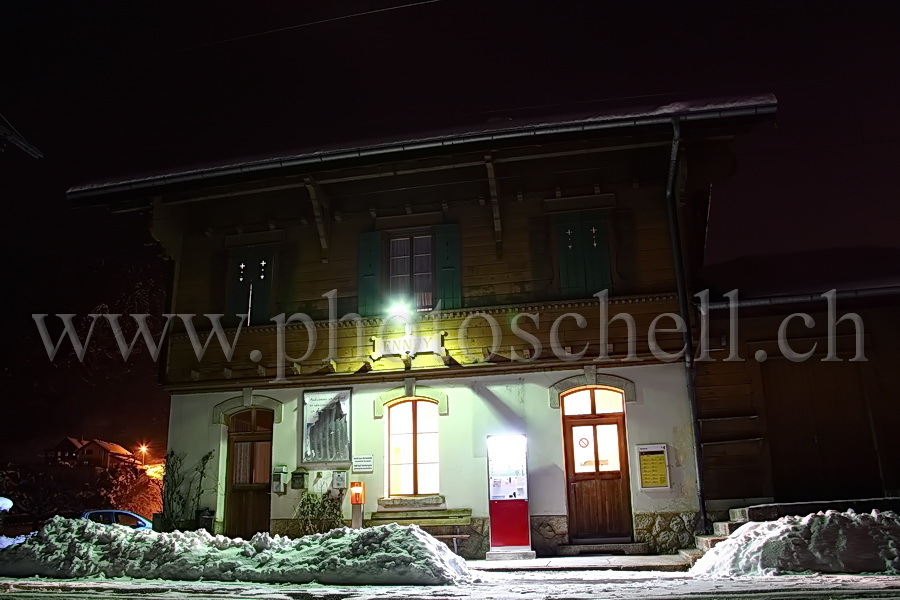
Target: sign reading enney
point(363, 463)
point(654, 463)
point(408, 345)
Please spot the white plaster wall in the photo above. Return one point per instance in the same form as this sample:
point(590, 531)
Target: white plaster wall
point(478, 407)
point(192, 431)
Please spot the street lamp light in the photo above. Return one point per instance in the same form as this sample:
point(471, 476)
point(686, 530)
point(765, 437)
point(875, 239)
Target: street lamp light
point(143, 450)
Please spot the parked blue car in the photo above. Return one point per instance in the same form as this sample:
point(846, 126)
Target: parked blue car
point(119, 517)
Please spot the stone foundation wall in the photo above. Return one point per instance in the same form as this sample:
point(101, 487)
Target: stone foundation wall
point(478, 542)
point(548, 532)
point(475, 547)
point(666, 532)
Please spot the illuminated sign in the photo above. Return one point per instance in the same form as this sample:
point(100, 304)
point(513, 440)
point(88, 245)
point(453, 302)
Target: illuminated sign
point(408, 345)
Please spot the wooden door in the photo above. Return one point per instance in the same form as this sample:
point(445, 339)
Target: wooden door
point(248, 480)
point(599, 494)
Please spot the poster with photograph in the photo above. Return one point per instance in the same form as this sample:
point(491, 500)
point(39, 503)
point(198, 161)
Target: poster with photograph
point(326, 426)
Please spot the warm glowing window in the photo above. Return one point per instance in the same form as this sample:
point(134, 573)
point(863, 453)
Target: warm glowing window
point(410, 270)
point(596, 400)
point(594, 434)
point(413, 448)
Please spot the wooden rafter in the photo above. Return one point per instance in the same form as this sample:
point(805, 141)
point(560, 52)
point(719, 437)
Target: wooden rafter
point(320, 212)
point(495, 201)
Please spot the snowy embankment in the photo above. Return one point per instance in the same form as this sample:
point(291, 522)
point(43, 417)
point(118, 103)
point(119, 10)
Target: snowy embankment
point(829, 542)
point(387, 554)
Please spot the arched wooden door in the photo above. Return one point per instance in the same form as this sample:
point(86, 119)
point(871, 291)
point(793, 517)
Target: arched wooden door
point(249, 472)
point(599, 493)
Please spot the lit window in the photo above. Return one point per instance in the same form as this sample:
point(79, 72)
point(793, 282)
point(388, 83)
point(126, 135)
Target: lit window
point(413, 448)
point(410, 270)
point(594, 400)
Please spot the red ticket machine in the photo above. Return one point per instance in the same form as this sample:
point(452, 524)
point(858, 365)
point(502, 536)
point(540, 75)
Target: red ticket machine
point(508, 497)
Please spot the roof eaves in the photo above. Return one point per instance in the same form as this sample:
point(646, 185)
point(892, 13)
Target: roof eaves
point(746, 107)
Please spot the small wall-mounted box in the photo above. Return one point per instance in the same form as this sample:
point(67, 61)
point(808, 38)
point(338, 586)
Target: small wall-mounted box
point(339, 480)
point(279, 479)
point(300, 479)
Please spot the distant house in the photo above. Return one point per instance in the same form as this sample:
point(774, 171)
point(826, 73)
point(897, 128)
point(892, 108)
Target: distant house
point(98, 453)
point(104, 454)
point(64, 452)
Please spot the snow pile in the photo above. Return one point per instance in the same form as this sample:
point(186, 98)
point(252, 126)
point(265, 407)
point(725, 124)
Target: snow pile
point(829, 542)
point(387, 554)
point(5, 504)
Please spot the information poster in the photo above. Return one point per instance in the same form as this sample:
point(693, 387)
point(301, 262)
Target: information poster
point(507, 475)
point(654, 464)
point(326, 431)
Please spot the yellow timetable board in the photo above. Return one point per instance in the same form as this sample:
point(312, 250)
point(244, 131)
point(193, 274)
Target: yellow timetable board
point(654, 463)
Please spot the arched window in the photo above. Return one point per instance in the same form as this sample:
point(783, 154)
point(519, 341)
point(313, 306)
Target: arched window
point(413, 447)
point(592, 401)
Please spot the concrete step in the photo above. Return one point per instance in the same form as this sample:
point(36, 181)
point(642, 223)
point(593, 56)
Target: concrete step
point(421, 521)
point(706, 542)
point(725, 528)
point(446, 513)
point(739, 515)
point(691, 555)
point(622, 548)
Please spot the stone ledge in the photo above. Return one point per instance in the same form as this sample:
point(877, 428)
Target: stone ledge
point(406, 503)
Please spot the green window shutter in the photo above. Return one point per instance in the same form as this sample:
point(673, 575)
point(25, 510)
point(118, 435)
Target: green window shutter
point(369, 273)
point(570, 249)
point(258, 270)
point(263, 277)
point(237, 292)
point(448, 287)
point(595, 236)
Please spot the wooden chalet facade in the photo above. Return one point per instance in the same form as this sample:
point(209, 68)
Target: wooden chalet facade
point(497, 242)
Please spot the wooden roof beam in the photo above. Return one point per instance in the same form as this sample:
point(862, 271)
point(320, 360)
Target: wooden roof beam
point(495, 202)
point(320, 208)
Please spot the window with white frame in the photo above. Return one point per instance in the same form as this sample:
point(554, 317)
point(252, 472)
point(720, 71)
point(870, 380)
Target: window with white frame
point(413, 449)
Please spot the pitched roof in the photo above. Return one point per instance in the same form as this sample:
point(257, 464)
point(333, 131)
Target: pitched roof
point(109, 447)
point(459, 137)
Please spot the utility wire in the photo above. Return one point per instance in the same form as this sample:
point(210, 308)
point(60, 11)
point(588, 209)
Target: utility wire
point(171, 52)
point(300, 25)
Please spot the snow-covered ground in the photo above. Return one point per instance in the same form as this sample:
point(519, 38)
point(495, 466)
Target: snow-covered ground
point(528, 585)
point(387, 554)
point(829, 542)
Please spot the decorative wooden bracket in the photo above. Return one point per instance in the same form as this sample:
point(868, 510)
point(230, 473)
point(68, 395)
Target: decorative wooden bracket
point(320, 212)
point(495, 202)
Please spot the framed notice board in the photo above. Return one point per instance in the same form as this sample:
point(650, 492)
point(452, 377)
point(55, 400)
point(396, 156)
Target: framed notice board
point(654, 464)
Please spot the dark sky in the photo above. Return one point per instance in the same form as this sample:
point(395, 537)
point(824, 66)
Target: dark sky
point(114, 88)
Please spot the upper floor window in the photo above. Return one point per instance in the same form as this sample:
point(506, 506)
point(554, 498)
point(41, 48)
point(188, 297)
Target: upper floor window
point(582, 248)
point(420, 268)
point(410, 270)
point(249, 283)
point(413, 454)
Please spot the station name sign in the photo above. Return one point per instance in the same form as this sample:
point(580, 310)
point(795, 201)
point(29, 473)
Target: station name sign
point(408, 345)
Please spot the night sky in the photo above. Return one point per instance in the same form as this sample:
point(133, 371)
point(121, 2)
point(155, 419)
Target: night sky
point(107, 89)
